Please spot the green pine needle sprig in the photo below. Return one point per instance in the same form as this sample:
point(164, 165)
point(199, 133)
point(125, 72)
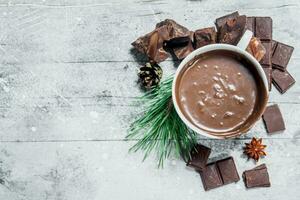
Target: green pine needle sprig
point(159, 128)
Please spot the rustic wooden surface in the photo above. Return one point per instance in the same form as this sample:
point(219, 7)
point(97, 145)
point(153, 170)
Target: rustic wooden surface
point(67, 86)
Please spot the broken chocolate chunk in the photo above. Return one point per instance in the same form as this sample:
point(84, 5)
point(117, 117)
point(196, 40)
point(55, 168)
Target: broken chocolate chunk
point(273, 119)
point(175, 30)
point(204, 37)
point(232, 31)
point(282, 80)
point(182, 52)
point(281, 55)
point(257, 177)
point(199, 157)
point(151, 44)
point(222, 20)
point(256, 49)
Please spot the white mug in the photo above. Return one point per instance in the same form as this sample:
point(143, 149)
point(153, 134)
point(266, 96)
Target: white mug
point(239, 50)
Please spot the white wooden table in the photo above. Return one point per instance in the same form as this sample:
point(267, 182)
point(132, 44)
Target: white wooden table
point(67, 85)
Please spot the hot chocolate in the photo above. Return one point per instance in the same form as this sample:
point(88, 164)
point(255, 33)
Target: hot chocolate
point(220, 92)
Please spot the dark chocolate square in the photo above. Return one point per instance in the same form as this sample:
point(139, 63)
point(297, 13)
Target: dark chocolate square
point(281, 56)
point(210, 177)
point(257, 177)
point(282, 80)
point(266, 60)
point(228, 170)
point(199, 157)
point(263, 28)
point(273, 119)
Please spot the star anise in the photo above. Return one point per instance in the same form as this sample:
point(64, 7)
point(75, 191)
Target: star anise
point(255, 149)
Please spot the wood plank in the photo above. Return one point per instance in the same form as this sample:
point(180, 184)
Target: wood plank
point(29, 84)
point(104, 170)
point(90, 101)
point(102, 122)
point(60, 32)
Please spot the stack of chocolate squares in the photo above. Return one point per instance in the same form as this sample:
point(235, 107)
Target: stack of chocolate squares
point(223, 172)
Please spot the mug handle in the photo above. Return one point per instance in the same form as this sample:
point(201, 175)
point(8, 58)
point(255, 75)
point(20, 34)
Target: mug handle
point(244, 41)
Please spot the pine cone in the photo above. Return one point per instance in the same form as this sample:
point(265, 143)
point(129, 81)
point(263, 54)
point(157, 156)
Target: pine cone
point(150, 75)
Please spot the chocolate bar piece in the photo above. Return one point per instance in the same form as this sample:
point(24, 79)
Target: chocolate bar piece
point(232, 31)
point(204, 37)
point(257, 177)
point(282, 80)
point(178, 31)
point(268, 72)
point(199, 157)
point(183, 51)
point(152, 44)
point(219, 173)
point(228, 170)
point(281, 55)
point(175, 30)
point(273, 119)
point(256, 49)
point(211, 177)
point(250, 24)
point(266, 60)
point(261, 27)
point(222, 20)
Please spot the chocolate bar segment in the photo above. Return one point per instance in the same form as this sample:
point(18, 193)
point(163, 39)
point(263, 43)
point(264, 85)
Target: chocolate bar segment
point(232, 31)
point(250, 24)
point(210, 177)
point(204, 37)
point(257, 177)
point(281, 55)
point(199, 157)
point(282, 80)
point(263, 28)
point(219, 173)
point(228, 170)
point(266, 60)
point(273, 119)
point(268, 72)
